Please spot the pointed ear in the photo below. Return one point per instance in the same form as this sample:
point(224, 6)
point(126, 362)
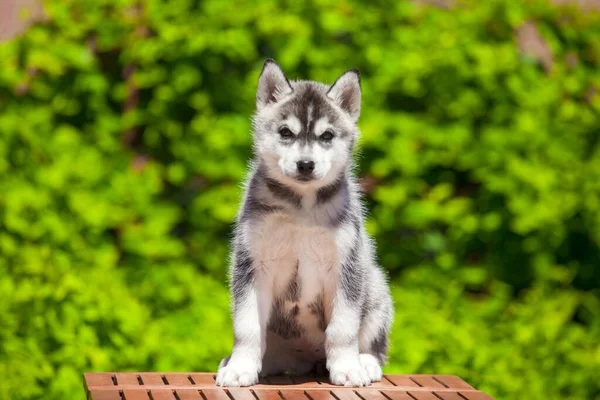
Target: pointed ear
point(345, 91)
point(272, 84)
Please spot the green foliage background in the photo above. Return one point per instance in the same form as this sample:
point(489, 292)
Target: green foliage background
point(125, 135)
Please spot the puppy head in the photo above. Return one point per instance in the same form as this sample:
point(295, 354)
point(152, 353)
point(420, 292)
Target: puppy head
point(304, 131)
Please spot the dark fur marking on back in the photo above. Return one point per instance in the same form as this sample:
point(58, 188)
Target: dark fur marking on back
point(352, 275)
point(242, 276)
point(371, 302)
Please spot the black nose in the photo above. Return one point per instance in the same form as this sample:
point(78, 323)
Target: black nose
point(305, 167)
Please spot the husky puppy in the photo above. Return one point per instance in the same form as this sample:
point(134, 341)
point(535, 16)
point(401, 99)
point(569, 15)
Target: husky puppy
point(305, 283)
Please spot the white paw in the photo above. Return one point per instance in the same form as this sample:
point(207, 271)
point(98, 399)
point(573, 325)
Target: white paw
point(237, 373)
point(371, 367)
point(348, 373)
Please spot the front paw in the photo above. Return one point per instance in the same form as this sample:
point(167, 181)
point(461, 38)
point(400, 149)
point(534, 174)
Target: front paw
point(371, 367)
point(348, 373)
point(237, 373)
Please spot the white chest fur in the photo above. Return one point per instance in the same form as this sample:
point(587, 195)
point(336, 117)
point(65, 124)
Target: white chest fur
point(291, 256)
point(280, 245)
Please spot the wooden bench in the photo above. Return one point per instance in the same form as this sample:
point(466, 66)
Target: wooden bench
point(201, 386)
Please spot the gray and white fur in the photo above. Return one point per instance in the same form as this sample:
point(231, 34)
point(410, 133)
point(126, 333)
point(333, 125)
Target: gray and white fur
point(305, 283)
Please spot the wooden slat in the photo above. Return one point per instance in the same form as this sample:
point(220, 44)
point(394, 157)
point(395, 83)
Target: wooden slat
point(99, 379)
point(105, 394)
point(384, 383)
point(448, 396)
point(396, 395)
point(401, 380)
point(127, 378)
point(263, 394)
point(294, 394)
point(370, 394)
point(241, 394)
point(152, 379)
point(162, 394)
point(324, 381)
point(304, 381)
point(188, 394)
point(476, 396)
point(280, 380)
point(214, 394)
point(264, 386)
point(135, 394)
point(453, 382)
point(320, 395)
point(101, 386)
point(426, 381)
point(345, 394)
point(178, 379)
point(203, 379)
point(423, 395)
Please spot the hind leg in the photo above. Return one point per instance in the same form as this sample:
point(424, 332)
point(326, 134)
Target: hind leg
point(373, 339)
point(224, 362)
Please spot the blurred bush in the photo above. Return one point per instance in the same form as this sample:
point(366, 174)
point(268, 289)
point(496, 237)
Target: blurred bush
point(125, 138)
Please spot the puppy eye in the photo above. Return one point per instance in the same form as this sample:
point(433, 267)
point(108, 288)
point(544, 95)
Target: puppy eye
point(326, 136)
point(285, 132)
